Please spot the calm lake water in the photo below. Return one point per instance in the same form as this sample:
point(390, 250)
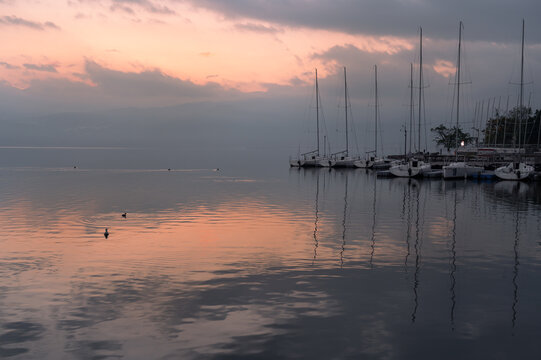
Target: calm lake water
point(319, 264)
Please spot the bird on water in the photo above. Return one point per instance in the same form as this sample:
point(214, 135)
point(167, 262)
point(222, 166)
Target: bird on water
point(106, 233)
point(124, 215)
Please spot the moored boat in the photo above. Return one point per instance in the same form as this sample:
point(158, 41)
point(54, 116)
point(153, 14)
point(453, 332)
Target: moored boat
point(411, 168)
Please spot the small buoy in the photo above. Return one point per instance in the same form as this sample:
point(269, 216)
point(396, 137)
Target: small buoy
point(106, 233)
point(169, 169)
point(124, 215)
point(75, 167)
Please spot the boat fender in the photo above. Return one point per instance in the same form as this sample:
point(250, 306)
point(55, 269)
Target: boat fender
point(518, 174)
point(409, 171)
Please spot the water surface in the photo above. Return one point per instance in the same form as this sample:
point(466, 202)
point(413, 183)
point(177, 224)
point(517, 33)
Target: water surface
point(321, 264)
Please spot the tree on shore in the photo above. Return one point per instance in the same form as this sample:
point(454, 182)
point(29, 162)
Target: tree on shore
point(446, 137)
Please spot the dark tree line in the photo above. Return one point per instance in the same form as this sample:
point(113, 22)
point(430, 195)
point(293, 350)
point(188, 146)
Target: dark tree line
point(520, 126)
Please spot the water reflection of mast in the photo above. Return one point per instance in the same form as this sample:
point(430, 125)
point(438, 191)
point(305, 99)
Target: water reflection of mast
point(373, 245)
point(515, 268)
point(344, 224)
point(316, 220)
point(453, 265)
point(417, 261)
point(408, 222)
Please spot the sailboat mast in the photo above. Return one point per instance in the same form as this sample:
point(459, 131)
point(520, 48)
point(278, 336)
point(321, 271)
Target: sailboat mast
point(376, 112)
point(346, 107)
point(411, 104)
point(317, 114)
point(521, 89)
point(420, 83)
point(458, 89)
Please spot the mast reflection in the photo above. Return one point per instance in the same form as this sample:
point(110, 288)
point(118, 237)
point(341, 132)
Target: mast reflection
point(417, 249)
point(407, 190)
point(316, 219)
point(344, 223)
point(373, 237)
point(453, 262)
point(515, 269)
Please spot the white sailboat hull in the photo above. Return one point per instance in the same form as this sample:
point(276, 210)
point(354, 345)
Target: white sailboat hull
point(363, 164)
point(460, 170)
point(312, 162)
point(410, 169)
point(325, 162)
point(514, 171)
point(344, 161)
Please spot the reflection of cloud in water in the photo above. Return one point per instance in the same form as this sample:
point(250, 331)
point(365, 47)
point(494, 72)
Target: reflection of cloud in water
point(14, 334)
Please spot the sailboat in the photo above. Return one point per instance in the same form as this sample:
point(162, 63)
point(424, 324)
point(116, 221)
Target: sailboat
point(517, 170)
point(310, 158)
point(342, 158)
point(374, 161)
point(458, 169)
point(413, 167)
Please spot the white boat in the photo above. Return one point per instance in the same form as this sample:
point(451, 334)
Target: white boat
point(411, 168)
point(514, 171)
point(365, 163)
point(384, 164)
point(517, 170)
point(344, 161)
point(461, 170)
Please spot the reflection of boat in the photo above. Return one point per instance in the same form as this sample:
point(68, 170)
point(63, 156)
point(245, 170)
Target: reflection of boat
point(512, 188)
point(459, 169)
point(517, 170)
point(310, 158)
point(406, 182)
point(342, 158)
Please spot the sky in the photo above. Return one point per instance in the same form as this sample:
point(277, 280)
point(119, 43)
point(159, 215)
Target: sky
point(250, 63)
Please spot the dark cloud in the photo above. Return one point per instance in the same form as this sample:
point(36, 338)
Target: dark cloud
point(152, 84)
point(47, 68)
point(497, 20)
point(8, 66)
point(17, 21)
point(104, 88)
point(147, 5)
point(123, 8)
point(258, 28)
